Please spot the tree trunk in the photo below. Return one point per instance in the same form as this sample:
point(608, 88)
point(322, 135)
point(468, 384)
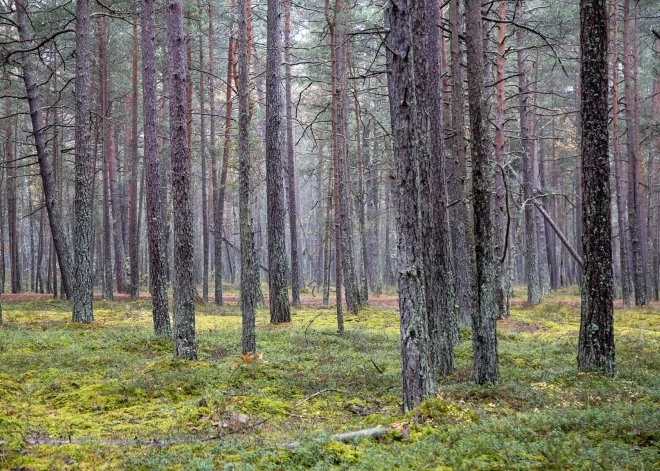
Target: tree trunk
point(635, 215)
point(501, 215)
point(277, 261)
point(155, 221)
point(202, 126)
point(249, 265)
point(596, 340)
point(183, 285)
point(296, 277)
point(336, 166)
point(461, 232)
point(531, 247)
point(45, 165)
point(418, 379)
point(84, 198)
point(133, 215)
point(484, 336)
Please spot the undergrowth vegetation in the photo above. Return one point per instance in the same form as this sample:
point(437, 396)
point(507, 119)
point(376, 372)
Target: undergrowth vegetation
point(110, 395)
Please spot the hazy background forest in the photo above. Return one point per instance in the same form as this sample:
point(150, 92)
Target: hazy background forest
point(289, 192)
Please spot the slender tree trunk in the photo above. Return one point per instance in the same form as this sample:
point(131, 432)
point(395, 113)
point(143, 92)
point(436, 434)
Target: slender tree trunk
point(635, 215)
point(84, 198)
point(534, 294)
point(202, 126)
point(336, 166)
point(183, 285)
point(461, 232)
point(45, 165)
point(155, 221)
point(501, 215)
point(484, 335)
point(291, 176)
point(621, 203)
point(12, 220)
point(364, 249)
point(133, 215)
point(277, 260)
point(249, 265)
point(596, 340)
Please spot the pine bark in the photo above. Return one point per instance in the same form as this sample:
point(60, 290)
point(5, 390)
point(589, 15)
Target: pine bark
point(596, 339)
point(202, 128)
point(249, 265)
point(296, 278)
point(280, 310)
point(183, 285)
point(461, 233)
point(133, 232)
point(531, 242)
point(635, 215)
point(484, 335)
point(84, 201)
point(154, 207)
point(417, 375)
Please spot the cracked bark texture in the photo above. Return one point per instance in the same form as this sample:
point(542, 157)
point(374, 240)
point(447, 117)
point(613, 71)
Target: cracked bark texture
point(596, 339)
point(153, 173)
point(418, 380)
point(278, 269)
point(249, 265)
point(484, 314)
point(183, 285)
point(84, 205)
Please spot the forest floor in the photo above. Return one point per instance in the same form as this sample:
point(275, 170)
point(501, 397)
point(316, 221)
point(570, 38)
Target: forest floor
point(110, 396)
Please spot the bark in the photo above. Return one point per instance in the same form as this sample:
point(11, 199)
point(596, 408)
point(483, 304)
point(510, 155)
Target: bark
point(428, 133)
point(133, 232)
point(296, 277)
point(183, 285)
point(484, 336)
point(364, 285)
point(12, 220)
point(249, 266)
point(277, 261)
point(596, 339)
point(621, 196)
point(635, 214)
point(534, 294)
point(500, 221)
point(202, 126)
point(339, 259)
point(84, 201)
point(417, 375)
point(45, 165)
point(461, 233)
point(154, 207)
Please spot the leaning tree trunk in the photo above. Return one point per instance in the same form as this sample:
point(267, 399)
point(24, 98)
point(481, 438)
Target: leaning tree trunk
point(183, 284)
point(45, 165)
point(417, 375)
point(596, 340)
point(484, 335)
point(249, 263)
point(277, 261)
point(84, 198)
point(155, 221)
